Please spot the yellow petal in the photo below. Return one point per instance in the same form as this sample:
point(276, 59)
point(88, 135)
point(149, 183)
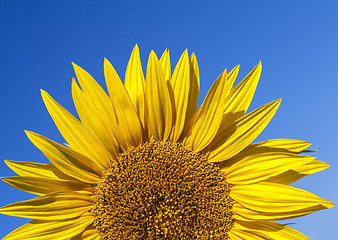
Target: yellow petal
point(53, 206)
point(241, 96)
point(292, 145)
point(90, 233)
point(194, 86)
point(259, 167)
point(193, 96)
point(31, 169)
point(240, 134)
point(47, 230)
point(134, 83)
point(93, 121)
point(210, 115)
point(67, 160)
point(245, 214)
point(312, 167)
point(271, 146)
point(231, 80)
point(298, 172)
point(40, 185)
point(76, 135)
point(158, 100)
point(180, 83)
point(271, 230)
point(238, 234)
point(277, 199)
point(127, 119)
point(94, 93)
point(165, 64)
point(238, 99)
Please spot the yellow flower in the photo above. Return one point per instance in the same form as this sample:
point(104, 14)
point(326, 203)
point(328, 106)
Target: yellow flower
point(145, 163)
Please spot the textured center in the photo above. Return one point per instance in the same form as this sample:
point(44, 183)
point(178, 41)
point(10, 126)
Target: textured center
point(161, 190)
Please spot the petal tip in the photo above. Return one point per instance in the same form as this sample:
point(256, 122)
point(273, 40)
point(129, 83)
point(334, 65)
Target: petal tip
point(152, 53)
point(77, 68)
point(153, 56)
point(236, 68)
point(29, 134)
point(328, 204)
point(106, 63)
point(258, 67)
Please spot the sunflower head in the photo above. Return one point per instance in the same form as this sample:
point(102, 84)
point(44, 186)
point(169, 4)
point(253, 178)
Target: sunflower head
point(144, 162)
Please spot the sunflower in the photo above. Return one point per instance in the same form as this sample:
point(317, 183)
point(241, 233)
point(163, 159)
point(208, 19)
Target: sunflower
point(145, 163)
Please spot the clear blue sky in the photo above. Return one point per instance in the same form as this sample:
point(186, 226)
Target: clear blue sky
point(297, 42)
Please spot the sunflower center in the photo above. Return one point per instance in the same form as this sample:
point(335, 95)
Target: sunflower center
point(161, 190)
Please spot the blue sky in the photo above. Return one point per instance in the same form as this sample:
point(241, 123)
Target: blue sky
point(297, 42)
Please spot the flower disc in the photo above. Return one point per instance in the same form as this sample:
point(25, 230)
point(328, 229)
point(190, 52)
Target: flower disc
point(160, 190)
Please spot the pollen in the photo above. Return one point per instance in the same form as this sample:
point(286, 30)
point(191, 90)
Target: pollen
point(161, 190)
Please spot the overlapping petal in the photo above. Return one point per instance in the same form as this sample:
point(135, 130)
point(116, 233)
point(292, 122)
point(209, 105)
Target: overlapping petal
point(231, 79)
point(239, 234)
point(210, 116)
point(46, 230)
point(32, 169)
point(271, 230)
point(194, 87)
point(292, 145)
point(158, 100)
point(240, 97)
point(90, 233)
point(240, 134)
point(180, 83)
point(246, 214)
point(134, 83)
point(128, 122)
point(165, 65)
point(40, 186)
point(272, 146)
point(259, 167)
point(53, 206)
point(91, 118)
point(76, 135)
point(277, 200)
point(94, 93)
point(67, 160)
point(298, 172)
